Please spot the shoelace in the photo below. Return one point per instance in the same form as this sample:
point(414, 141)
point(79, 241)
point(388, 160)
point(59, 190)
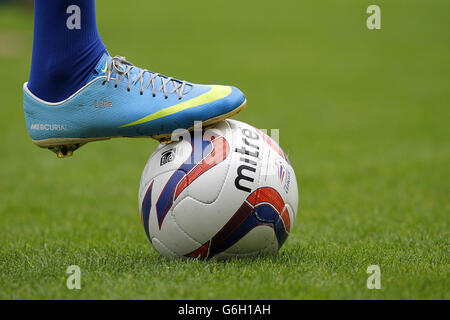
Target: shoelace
point(122, 67)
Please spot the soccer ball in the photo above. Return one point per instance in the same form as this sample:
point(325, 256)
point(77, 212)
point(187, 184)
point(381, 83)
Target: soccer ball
point(227, 192)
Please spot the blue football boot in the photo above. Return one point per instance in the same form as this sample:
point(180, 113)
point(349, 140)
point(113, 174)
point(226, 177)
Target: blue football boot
point(122, 100)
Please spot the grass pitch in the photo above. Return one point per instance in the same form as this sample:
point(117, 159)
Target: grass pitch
point(363, 115)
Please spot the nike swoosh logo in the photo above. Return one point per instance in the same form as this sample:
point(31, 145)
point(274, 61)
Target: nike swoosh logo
point(106, 67)
point(216, 93)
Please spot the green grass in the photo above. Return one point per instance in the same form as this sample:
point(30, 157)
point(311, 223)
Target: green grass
point(364, 116)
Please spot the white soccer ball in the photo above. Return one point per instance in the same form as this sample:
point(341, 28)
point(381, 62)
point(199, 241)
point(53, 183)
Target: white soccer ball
point(230, 192)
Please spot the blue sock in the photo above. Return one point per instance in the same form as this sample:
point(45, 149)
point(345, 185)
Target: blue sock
point(66, 47)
